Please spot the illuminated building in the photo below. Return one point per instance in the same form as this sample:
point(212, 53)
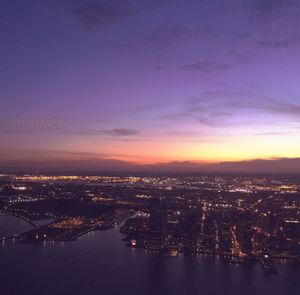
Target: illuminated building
point(157, 224)
point(190, 227)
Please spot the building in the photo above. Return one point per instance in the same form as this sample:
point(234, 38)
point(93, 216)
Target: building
point(190, 228)
point(157, 224)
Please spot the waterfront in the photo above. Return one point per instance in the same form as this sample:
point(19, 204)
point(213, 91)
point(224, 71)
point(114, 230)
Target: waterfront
point(100, 263)
point(10, 225)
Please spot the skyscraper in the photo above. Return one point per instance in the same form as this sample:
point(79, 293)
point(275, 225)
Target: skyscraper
point(190, 228)
point(157, 224)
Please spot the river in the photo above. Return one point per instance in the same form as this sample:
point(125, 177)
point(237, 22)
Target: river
point(100, 263)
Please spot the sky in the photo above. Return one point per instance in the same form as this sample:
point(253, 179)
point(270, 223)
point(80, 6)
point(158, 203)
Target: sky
point(179, 85)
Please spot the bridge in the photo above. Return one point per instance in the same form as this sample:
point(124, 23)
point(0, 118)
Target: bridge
point(20, 217)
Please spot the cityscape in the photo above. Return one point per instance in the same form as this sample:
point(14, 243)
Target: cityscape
point(150, 147)
point(238, 218)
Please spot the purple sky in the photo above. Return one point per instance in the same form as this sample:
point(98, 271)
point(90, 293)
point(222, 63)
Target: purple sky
point(124, 83)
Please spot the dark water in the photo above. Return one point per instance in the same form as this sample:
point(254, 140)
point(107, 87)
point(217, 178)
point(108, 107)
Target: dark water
point(99, 263)
point(10, 225)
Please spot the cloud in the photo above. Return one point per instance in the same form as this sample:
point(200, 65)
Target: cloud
point(117, 132)
point(74, 165)
point(272, 133)
point(269, 6)
point(274, 166)
point(257, 166)
point(281, 43)
point(120, 132)
point(64, 160)
point(215, 101)
point(47, 126)
point(166, 33)
point(98, 13)
point(207, 66)
point(228, 108)
point(281, 107)
point(262, 7)
point(267, 23)
point(202, 114)
point(81, 162)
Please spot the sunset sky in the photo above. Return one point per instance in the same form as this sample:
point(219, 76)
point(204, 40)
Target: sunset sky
point(136, 84)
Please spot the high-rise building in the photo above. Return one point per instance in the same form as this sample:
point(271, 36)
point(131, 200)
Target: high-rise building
point(157, 224)
point(244, 232)
point(190, 228)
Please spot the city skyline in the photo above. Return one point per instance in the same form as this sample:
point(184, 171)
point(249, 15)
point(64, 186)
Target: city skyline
point(187, 86)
